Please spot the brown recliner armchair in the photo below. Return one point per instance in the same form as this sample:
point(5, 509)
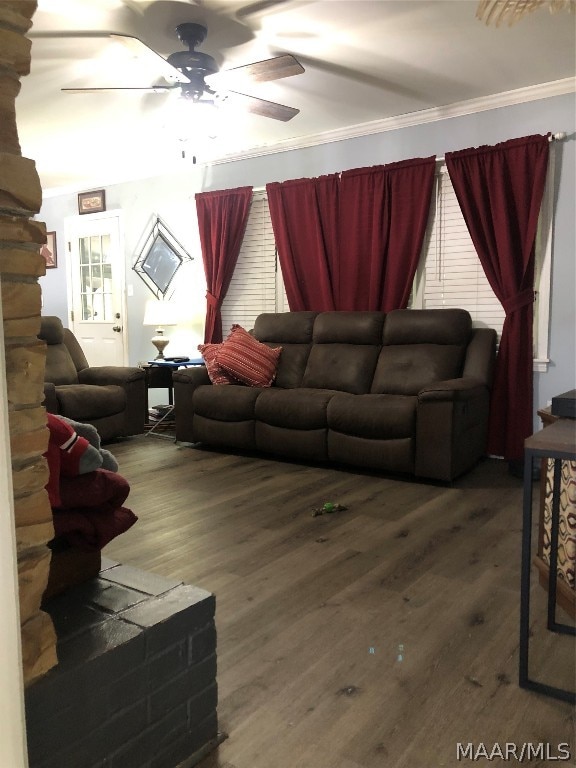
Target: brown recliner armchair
point(111, 398)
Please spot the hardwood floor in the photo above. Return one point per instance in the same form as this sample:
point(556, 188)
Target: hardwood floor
point(376, 637)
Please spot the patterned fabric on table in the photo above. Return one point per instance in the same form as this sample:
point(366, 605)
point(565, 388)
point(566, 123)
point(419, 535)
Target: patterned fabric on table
point(567, 528)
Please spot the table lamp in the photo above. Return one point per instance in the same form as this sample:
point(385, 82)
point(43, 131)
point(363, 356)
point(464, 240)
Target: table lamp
point(160, 313)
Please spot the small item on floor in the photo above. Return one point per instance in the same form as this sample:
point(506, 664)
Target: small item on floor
point(159, 412)
point(328, 508)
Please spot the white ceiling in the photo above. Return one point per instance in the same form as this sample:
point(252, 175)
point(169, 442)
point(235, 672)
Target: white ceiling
point(365, 61)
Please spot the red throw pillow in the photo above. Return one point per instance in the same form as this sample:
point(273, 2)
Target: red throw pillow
point(248, 360)
point(216, 374)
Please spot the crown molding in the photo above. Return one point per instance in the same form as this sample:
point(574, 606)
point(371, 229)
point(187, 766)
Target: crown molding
point(421, 117)
point(457, 109)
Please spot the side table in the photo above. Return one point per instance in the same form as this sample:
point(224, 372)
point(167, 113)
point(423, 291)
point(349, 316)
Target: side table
point(558, 442)
point(158, 375)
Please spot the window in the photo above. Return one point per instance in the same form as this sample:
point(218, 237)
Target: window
point(256, 285)
point(95, 266)
point(450, 273)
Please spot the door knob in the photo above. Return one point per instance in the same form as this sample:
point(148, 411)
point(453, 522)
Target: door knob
point(116, 328)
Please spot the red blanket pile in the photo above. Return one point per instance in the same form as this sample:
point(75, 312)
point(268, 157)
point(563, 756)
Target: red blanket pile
point(87, 506)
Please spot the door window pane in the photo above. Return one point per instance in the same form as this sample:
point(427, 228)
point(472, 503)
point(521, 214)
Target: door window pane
point(96, 278)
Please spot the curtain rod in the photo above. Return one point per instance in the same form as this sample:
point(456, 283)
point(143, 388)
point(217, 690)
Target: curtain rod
point(553, 137)
point(560, 136)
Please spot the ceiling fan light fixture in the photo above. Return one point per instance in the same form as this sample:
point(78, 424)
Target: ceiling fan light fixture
point(497, 11)
point(192, 120)
point(192, 91)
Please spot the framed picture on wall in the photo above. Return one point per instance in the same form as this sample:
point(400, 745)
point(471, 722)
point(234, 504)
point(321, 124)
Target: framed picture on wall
point(48, 251)
point(92, 202)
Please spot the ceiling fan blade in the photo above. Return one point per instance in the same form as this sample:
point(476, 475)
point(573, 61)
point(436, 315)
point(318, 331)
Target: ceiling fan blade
point(257, 72)
point(261, 106)
point(112, 89)
point(260, 6)
point(138, 48)
point(135, 47)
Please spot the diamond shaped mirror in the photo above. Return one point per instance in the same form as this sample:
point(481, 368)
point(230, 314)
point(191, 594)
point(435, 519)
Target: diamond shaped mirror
point(160, 259)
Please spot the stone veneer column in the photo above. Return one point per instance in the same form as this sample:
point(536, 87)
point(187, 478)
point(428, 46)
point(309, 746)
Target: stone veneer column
point(20, 266)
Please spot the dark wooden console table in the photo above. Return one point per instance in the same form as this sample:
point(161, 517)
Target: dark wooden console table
point(558, 442)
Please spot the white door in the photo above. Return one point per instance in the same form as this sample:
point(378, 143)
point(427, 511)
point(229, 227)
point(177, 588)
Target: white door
point(96, 286)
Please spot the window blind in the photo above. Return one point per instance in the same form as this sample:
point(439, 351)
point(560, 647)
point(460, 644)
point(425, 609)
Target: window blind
point(450, 269)
point(253, 286)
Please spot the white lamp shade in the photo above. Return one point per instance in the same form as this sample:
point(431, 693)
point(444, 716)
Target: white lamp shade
point(160, 313)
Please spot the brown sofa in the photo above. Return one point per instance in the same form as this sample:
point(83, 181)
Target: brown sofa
point(111, 398)
point(406, 391)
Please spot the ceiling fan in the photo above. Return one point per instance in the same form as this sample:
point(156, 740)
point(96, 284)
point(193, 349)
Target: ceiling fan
point(197, 75)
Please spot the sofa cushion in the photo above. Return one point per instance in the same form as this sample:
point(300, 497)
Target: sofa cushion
point(349, 328)
point(224, 434)
point(232, 403)
point(428, 326)
point(86, 402)
point(217, 375)
point(285, 327)
point(51, 330)
point(345, 367)
point(420, 348)
point(295, 409)
point(292, 365)
point(391, 455)
point(59, 366)
point(297, 444)
point(407, 368)
point(247, 359)
point(380, 417)
point(293, 332)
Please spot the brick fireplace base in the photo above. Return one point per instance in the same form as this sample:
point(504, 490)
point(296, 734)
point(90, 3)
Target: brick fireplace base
point(135, 683)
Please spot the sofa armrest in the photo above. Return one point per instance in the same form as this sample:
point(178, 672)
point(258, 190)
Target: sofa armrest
point(193, 376)
point(50, 399)
point(133, 382)
point(481, 356)
point(451, 427)
point(451, 389)
point(110, 374)
point(186, 382)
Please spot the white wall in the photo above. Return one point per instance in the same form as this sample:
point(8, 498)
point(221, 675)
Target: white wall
point(173, 198)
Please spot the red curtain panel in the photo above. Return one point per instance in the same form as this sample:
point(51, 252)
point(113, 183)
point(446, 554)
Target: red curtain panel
point(383, 213)
point(222, 217)
point(352, 241)
point(500, 191)
point(304, 219)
